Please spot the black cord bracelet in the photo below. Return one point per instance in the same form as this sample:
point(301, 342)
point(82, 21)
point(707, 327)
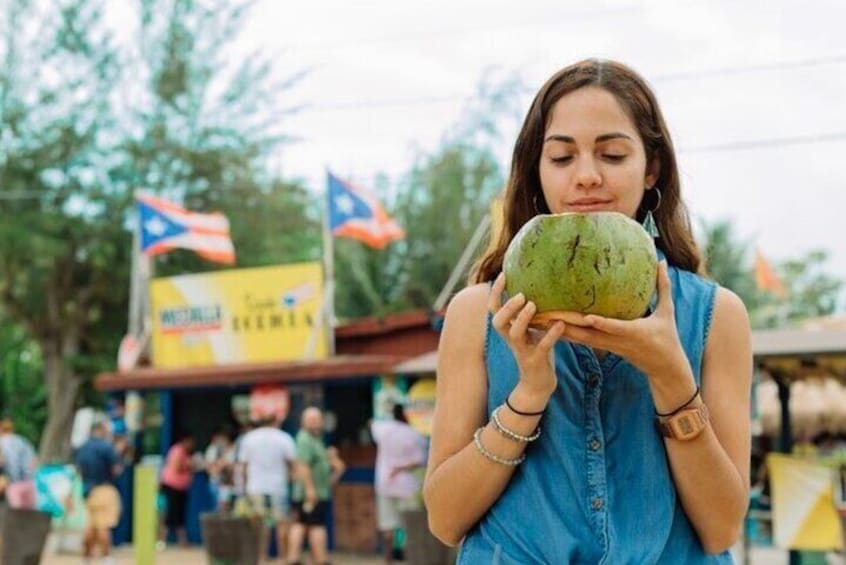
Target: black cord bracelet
point(680, 408)
point(520, 412)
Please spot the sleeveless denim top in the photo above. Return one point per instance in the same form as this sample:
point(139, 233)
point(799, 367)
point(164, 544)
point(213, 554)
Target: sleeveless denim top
point(596, 487)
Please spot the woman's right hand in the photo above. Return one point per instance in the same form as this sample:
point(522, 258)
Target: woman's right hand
point(532, 348)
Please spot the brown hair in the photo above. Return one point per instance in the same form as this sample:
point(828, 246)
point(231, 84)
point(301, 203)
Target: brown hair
point(524, 197)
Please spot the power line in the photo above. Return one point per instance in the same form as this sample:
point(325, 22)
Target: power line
point(775, 142)
point(669, 77)
point(771, 142)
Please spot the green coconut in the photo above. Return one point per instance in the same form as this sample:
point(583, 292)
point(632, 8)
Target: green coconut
point(596, 263)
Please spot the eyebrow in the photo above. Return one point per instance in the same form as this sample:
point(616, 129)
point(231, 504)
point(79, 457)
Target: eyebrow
point(599, 138)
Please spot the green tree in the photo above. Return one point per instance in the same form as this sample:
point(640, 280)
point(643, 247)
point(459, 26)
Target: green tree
point(22, 394)
point(439, 203)
point(59, 249)
point(84, 122)
point(810, 291)
point(726, 258)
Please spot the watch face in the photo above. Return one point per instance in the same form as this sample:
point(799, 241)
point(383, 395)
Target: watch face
point(687, 425)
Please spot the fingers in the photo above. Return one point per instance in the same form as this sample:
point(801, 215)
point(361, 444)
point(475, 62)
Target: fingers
point(520, 324)
point(665, 294)
point(495, 296)
point(503, 317)
point(552, 335)
point(607, 325)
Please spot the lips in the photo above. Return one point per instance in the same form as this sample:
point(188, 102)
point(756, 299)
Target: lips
point(589, 205)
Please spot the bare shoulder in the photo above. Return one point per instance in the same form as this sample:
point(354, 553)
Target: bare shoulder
point(464, 324)
point(728, 351)
point(729, 318)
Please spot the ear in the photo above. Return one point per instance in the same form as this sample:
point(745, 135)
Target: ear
point(653, 171)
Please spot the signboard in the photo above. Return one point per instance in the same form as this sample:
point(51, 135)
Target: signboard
point(387, 391)
point(269, 401)
point(804, 512)
point(238, 316)
point(420, 405)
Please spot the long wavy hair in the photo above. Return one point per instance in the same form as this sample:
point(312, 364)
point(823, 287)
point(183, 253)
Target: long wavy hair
point(524, 197)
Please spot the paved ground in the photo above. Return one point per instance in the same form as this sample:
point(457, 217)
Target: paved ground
point(759, 556)
point(123, 556)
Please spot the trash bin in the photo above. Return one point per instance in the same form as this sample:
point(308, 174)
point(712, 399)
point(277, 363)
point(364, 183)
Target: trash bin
point(231, 540)
point(421, 547)
point(23, 534)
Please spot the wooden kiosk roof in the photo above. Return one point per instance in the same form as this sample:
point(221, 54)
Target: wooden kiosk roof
point(366, 347)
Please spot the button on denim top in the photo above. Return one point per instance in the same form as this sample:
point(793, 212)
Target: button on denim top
point(596, 487)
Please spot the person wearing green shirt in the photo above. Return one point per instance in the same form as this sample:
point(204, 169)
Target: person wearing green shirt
point(326, 468)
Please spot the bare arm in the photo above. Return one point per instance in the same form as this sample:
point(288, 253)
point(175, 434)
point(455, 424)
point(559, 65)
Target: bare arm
point(337, 464)
point(461, 484)
point(711, 472)
point(301, 471)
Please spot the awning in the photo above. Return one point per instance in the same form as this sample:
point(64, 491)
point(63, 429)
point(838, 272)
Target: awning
point(426, 363)
point(799, 352)
point(340, 367)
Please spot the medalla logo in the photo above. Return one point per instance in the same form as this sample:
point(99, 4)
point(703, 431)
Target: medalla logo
point(191, 318)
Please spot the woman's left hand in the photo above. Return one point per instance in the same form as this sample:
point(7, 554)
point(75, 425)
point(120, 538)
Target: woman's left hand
point(651, 344)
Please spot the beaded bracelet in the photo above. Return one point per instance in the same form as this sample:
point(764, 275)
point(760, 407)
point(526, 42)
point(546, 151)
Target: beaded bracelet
point(512, 434)
point(477, 440)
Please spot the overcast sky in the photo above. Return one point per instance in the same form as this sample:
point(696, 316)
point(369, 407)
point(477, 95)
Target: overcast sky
point(754, 92)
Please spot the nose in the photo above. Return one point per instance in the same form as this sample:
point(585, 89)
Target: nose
point(587, 173)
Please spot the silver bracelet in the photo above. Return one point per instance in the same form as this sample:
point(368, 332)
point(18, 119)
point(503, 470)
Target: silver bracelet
point(512, 434)
point(477, 440)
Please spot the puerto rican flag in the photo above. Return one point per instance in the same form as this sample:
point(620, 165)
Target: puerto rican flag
point(165, 226)
point(354, 213)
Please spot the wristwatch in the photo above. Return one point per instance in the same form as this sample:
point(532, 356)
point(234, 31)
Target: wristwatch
point(685, 425)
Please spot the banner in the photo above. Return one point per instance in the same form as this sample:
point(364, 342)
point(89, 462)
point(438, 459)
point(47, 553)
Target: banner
point(238, 316)
point(804, 515)
point(387, 391)
point(420, 405)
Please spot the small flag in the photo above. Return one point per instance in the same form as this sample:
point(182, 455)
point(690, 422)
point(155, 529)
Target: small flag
point(354, 213)
point(765, 276)
point(165, 226)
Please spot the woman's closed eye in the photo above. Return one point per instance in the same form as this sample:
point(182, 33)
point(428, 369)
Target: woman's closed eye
point(564, 159)
point(613, 157)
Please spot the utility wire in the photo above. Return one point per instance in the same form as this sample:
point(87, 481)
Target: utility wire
point(752, 144)
point(669, 77)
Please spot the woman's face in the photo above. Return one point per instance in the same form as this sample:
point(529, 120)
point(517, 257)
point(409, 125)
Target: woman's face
point(593, 158)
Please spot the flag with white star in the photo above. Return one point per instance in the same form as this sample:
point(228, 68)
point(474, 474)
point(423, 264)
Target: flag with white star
point(165, 226)
point(356, 214)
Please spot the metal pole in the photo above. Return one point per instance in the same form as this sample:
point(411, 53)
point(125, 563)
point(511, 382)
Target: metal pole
point(463, 261)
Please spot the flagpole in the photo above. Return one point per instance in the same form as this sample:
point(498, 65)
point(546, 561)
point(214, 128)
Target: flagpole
point(135, 316)
point(326, 315)
point(329, 270)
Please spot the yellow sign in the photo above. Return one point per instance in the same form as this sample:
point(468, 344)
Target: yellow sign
point(238, 316)
point(804, 514)
point(420, 405)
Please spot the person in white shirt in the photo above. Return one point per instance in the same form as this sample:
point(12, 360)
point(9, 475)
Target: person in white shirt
point(401, 450)
point(270, 459)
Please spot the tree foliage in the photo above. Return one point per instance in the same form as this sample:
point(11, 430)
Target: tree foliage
point(810, 291)
point(85, 121)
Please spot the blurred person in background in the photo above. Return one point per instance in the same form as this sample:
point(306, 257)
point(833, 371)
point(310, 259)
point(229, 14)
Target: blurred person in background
point(325, 470)
point(176, 478)
point(401, 451)
point(219, 462)
point(98, 464)
point(20, 463)
point(270, 457)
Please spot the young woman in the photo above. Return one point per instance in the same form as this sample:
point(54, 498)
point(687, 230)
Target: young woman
point(545, 447)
